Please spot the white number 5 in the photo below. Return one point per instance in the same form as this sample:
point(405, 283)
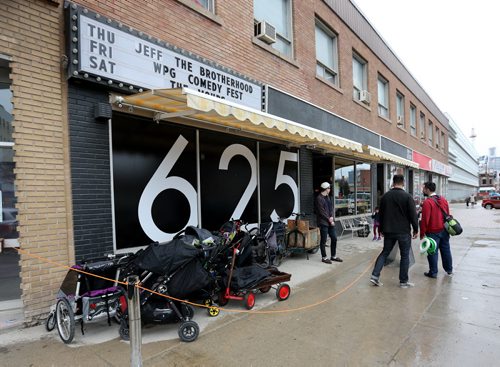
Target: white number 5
point(281, 178)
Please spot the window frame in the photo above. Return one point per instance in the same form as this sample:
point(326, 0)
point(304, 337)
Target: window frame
point(356, 92)
point(380, 106)
point(413, 119)
point(430, 133)
point(283, 38)
point(400, 109)
point(325, 68)
point(421, 126)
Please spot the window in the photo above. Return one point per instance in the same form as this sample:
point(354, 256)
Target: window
point(278, 13)
point(421, 126)
point(437, 138)
point(359, 78)
point(207, 4)
point(326, 53)
point(429, 133)
point(383, 96)
point(400, 109)
point(413, 120)
point(8, 212)
point(442, 141)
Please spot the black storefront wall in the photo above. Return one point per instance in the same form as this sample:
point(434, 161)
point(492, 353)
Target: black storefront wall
point(160, 160)
point(90, 173)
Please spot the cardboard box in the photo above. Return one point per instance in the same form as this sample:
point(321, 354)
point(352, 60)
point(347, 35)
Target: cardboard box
point(307, 239)
point(302, 224)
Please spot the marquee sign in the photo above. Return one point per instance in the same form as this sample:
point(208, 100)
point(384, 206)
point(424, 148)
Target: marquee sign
point(112, 52)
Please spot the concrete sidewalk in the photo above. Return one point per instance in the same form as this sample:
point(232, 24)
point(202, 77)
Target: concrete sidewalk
point(460, 313)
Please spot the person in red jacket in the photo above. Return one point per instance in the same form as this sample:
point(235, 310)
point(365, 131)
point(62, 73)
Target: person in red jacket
point(432, 225)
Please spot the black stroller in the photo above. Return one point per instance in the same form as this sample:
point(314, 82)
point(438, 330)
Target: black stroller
point(86, 298)
point(173, 269)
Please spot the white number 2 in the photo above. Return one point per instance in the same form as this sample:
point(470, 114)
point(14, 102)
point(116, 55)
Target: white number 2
point(227, 155)
point(161, 182)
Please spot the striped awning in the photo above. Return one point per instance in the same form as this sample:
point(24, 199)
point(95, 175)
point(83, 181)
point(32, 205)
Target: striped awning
point(385, 156)
point(184, 102)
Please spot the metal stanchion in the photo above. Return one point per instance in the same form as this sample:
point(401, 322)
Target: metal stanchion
point(134, 320)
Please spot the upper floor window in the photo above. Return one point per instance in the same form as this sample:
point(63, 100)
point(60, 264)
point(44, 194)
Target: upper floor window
point(443, 140)
point(359, 79)
point(278, 13)
point(400, 110)
point(429, 133)
point(413, 120)
point(207, 4)
point(421, 126)
point(438, 143)
point(326, 54)
point(383, 96)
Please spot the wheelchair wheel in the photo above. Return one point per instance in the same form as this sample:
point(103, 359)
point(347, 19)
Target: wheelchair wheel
point(189, 331)
point(50, 323)
point(65, 320)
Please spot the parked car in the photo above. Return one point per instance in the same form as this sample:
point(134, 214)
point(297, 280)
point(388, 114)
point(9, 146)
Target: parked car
point(492, 202)
point(8, 225)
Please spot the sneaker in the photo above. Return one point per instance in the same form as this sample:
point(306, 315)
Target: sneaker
point(326, 260)
point(429, 275)
point(406, 285)
point(374, 238)
point(378, 239)
point(376, 282)
point(450, 274)
point(337, 259)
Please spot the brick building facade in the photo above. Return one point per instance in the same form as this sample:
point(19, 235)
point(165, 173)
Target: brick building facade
point(71, 192)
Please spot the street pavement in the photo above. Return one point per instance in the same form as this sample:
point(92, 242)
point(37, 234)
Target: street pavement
point(334, 316)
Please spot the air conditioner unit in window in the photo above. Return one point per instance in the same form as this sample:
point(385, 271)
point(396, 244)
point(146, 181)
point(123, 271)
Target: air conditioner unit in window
point(400, 120)
point(365, 96)
point(265, 32)
point(422, 135)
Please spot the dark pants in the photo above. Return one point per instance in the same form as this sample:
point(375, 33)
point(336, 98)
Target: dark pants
point(443, 246)
point(324, 232)
point(390, 239)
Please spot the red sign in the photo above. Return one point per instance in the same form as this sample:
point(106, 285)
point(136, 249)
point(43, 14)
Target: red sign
point(424, 161)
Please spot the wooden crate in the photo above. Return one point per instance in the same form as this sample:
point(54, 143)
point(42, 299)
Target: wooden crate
point(302, 224)
point(306, 239)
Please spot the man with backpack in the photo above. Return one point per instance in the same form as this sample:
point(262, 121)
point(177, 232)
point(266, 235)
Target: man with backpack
point(432, 226)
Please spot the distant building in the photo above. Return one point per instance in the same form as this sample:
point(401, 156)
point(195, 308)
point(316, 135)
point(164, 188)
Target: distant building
point(462, 157)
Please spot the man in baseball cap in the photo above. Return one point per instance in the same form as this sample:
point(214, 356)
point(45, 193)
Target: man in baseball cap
point(326, 223)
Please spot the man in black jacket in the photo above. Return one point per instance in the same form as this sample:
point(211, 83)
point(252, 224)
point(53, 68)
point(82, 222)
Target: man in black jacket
point(326, 223)
point(398, 215)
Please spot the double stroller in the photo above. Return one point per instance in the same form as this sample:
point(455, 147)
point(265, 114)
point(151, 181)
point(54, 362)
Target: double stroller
point(168, 273)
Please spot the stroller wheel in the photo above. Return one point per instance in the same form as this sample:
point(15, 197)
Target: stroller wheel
point(65, 320)
point(189, 331)
point(124, 330)
point(283, 292)
point(213, 311)
point(249, 300)
point(50, 323)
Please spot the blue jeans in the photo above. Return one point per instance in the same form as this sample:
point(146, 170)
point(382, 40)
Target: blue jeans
point(324, 232)
point(390, 239)
point(443, 245)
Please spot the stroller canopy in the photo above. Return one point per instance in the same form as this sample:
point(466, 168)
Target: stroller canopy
point(166, 257)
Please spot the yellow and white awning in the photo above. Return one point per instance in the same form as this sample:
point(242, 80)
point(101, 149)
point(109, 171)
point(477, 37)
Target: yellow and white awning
point(385, 156)
point(169, 103)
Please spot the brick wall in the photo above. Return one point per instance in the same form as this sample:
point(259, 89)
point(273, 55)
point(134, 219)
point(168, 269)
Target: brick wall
point(30, 37)
point(230, 44)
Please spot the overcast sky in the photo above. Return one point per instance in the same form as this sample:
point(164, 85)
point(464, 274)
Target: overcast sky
point(451, 48)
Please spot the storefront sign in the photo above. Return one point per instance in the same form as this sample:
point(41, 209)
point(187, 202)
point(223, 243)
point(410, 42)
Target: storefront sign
point(118, 56)
point(161, 185)
point(424, 161)
point(441, 168)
